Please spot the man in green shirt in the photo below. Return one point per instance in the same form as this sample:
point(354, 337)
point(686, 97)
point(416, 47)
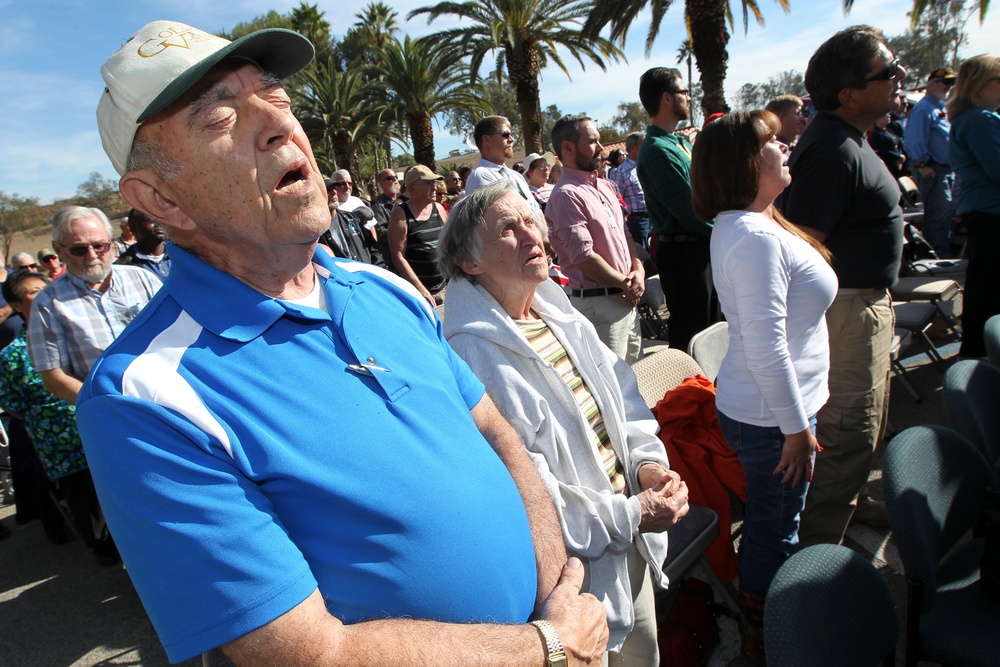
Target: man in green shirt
point(664, 169)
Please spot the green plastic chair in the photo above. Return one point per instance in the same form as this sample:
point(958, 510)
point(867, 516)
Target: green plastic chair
point(935, 484)
point(829, 607)
point(972, 395)
point(991, 336)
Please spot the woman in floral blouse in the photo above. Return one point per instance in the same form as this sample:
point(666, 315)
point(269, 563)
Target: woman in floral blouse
point(50, 421)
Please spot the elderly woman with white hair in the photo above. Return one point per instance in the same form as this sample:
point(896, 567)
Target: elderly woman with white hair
point(574, 403)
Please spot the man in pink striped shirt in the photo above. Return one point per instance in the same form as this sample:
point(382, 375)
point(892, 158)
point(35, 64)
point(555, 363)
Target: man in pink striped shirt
point(588, 233)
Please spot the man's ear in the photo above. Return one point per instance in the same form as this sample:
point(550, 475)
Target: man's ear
point(148, 192)
point(471, 267)
point(667, 99)
point(846, 97)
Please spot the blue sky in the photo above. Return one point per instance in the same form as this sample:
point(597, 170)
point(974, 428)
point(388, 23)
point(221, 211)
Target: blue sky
point(52, 50)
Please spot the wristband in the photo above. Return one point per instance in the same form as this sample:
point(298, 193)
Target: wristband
point(553, 645)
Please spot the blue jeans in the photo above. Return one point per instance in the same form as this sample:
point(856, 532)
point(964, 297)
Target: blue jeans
point(639, 227)
point(939, 208)
point(771, 520)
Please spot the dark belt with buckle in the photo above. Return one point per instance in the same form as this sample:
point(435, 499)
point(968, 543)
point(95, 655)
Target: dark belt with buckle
point(597, 291)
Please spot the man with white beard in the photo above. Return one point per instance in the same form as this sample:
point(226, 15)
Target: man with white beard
point(75, 318)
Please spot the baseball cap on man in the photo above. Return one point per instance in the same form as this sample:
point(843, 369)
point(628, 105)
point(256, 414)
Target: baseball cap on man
point(164, 59)
point(944, 73)
point(420, 173)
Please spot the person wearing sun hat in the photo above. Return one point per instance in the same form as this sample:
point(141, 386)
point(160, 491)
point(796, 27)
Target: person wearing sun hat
point(537, 169)
point(49, 261)
point(285, 446)
point(414, 228)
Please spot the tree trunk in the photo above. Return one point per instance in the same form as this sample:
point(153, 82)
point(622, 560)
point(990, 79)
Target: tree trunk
point(422, 137)
point(709, 37)
point(342, 151)
point(523, 73)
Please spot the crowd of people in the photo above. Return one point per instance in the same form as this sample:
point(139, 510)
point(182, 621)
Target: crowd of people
point(376, 430)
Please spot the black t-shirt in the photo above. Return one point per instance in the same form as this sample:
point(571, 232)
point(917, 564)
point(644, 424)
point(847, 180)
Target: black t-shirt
point(843, 189)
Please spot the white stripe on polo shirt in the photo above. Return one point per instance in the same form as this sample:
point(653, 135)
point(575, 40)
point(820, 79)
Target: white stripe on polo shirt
point(152, 376)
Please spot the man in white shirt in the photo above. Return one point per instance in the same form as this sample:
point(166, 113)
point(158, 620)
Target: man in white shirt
point(496, 144)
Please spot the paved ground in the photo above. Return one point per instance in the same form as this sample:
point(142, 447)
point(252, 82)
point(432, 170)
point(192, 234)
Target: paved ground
point(58, 608)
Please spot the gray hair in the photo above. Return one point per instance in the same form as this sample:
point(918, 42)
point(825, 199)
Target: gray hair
point(633, 140)
point(151, 155)
point(21, 255)
point(65, 217)
point(459, 241)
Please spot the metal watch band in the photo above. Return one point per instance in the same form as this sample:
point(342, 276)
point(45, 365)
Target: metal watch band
point(557, 654)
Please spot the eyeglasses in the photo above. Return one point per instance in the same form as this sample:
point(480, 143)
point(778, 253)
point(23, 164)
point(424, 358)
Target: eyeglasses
point(28, 266)
point(506, 134)
point(683, 91)
point(888, 74)
point(340, 184)
point(50, 258)
point(391, 179)
point(81, 250)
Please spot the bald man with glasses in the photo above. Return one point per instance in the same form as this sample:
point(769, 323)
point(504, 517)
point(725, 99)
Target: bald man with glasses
point(76, 317)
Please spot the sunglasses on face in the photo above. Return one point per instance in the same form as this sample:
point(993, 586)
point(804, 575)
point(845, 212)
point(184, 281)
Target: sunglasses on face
point(80, 250)
point(683, 91)
point(506, 134)
point(391, 179)
point(888, 74)
point(28, 266)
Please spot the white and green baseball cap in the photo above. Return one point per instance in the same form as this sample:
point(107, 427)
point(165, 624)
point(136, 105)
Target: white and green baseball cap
point(164, 59)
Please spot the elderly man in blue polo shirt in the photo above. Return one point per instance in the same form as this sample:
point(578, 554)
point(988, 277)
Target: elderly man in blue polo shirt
point(284, 479)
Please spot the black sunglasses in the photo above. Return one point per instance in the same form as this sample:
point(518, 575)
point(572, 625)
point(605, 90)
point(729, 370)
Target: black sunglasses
point(506, 134)
point(387, 178)
point(683, 91)
point(888, 74)
point(339, 184)
point(80, 250)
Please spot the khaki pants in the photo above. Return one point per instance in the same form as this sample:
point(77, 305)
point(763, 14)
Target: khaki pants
point(616, 321)
point(640, 648)
point(852, 422)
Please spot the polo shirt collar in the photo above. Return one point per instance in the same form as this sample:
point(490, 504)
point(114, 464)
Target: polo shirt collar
point(231, 309)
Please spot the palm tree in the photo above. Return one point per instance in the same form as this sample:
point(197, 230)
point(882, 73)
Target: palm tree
point(706, 21)
point(920, 5)
point(527, 33)
point(376, 24)
point(334, 111)
point(685, 54)
point(422, 79)
point(308, 20)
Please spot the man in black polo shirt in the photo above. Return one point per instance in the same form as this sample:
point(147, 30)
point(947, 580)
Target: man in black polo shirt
point(844, 195)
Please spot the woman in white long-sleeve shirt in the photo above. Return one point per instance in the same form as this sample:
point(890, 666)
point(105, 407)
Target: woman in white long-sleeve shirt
point(774, 285)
